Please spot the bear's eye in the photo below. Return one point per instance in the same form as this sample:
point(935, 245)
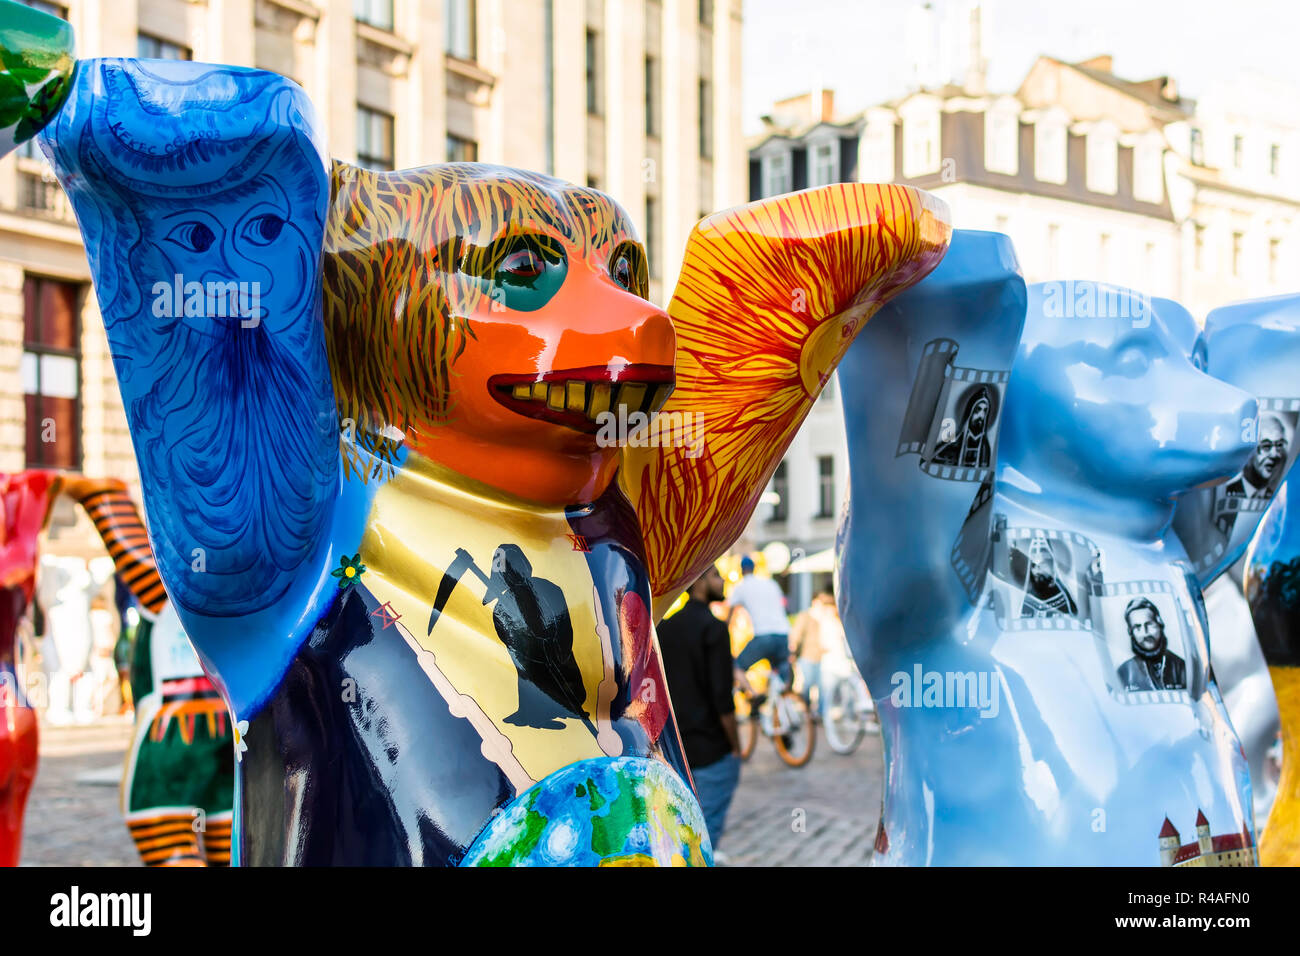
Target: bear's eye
point(523, 264)
point(520, 272)
point(192, 236)
point(627, 267)
point(263, 230)
point(621, 272)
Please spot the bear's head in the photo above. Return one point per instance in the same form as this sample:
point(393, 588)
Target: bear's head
point(491, 320)
point(1105, 407)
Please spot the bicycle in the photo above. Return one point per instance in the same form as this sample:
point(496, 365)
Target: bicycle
point(783, 716)
point(849, 714)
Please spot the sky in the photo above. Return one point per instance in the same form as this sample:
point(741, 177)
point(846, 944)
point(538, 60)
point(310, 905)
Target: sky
point(860, 48)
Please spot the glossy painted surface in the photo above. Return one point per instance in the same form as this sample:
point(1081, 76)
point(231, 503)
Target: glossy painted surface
point(380, 493)
point(25, 498)
point(1273, 590)
point(1269, 327)
point(1254, 345)
point(1056, 598)
point(36, 65)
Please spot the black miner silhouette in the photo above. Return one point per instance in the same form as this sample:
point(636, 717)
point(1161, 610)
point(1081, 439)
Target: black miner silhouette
point(532, 620)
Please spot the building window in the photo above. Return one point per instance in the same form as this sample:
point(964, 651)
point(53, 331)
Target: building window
point(1237, 239)
point(1198, 245)
point(374, 139)
point(1237, 150)
point(1148, 176)
point(1102, 170)
point(461, 150)
point(1002, 142)
point(706, 13)
point(377, 13)
point(878, 152)
point(51, 372)
point(776, 174)
point(593, 73)
point(1274, 160)
point(148, 47)
point(651, 96)
point(1274, 254)
point(706, 120)
point(920, 146)
point(1049, 152)
point(461, 29)
point(825, 486)
point(781, 489)
point(825, 164)
point(1197, 147)
point(652, 234)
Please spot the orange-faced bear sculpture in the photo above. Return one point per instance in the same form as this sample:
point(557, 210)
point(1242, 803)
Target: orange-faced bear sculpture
point(422, 465)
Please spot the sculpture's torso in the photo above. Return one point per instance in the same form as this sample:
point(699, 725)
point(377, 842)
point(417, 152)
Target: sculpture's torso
point(392, 741)
point(1060, 763)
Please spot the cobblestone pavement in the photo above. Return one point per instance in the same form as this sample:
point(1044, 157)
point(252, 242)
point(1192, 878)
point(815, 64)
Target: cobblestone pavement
point(823, 814)
point(73, 814)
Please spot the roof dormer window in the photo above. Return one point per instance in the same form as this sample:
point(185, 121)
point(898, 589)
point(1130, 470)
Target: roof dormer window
point(1103, 162)
point(1050, 139)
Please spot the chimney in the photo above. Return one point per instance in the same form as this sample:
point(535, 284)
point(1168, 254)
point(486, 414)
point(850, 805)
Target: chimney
point(827, 106)
point(1105, 63)
point(804, 110)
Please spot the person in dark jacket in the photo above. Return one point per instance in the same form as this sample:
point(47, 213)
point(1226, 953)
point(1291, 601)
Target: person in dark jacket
point(698, 666)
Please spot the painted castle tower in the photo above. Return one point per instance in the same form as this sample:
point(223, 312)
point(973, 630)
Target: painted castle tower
point(1229, 849)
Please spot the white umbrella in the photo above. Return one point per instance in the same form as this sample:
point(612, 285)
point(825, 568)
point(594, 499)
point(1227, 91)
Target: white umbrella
point(821, 562)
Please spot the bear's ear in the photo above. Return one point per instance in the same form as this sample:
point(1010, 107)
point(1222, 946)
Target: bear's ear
point(340, 173)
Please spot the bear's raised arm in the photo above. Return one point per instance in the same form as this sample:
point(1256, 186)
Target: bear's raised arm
point(1254, 345)
point(116, 519)
point(923, 391)
point(201, 192)
point(770, 296)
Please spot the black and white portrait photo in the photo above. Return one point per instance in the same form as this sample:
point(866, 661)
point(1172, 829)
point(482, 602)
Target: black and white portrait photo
point(1262, 473)
point(1050, 577)
point(1153, 666)
point(951, 420)
point(977, 409)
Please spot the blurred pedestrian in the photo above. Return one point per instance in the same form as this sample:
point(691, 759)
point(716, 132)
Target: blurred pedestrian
point(818, 637)
point(765, 604)
point(696, 651)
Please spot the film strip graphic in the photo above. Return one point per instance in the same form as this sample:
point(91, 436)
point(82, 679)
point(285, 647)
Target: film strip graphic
point(1063, 622)
point(1080, 586)
point(1210, 559)
point(972, 547)
point(1150, 696)
point(936, 429)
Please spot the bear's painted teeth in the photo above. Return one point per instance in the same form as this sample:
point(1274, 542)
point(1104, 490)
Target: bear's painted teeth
point(593, 399)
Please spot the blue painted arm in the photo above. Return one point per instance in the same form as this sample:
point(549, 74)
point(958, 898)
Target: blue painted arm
point(201, 192)
point(922, 390)
point(1254, 345)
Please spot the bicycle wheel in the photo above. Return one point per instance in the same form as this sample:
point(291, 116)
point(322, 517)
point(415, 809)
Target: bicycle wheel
point(746, 727)
point(795, 746)
point(844, 724)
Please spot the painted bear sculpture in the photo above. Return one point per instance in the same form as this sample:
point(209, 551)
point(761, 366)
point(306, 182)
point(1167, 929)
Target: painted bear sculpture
point(1254, 345)
point(1033, 632)
point(371, 413)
